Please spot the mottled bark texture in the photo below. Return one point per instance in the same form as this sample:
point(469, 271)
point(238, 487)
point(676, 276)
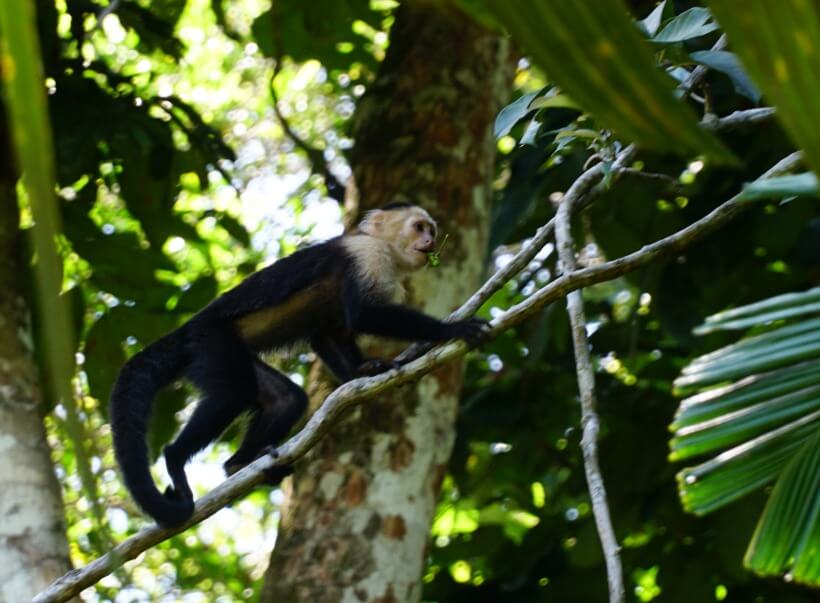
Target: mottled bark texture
point(33, 546)
point(355, 526)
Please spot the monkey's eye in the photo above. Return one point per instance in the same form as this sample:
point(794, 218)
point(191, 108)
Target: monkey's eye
point(419, 226)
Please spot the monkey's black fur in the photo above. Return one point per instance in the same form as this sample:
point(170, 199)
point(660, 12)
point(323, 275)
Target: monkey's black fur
point(316, 294)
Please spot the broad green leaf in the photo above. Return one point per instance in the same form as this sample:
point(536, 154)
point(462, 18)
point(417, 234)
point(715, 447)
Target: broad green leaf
point(778, 45)
point(594, 52)
point(318, 30)
point(512, 114)
point(805, 184)
point(528, 137)
point(693, 23)
point(728, 63)
point(786, 537)
point(554, 101)
point(652, 23)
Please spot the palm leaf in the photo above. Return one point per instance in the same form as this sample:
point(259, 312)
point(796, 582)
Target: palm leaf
point(756, 405)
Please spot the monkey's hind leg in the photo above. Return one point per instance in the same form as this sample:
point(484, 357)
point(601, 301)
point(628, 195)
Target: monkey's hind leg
point(223, 370)
point(280, 405)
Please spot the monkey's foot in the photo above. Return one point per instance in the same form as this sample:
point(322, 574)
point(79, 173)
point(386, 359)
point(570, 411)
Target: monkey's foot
point(275, 475)
point(172, 493)
point(374, 366)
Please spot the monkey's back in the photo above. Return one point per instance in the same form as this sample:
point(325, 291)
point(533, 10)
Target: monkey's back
point(289, 300)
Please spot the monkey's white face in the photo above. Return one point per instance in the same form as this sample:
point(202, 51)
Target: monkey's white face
point(417, 238)
point(410, 232)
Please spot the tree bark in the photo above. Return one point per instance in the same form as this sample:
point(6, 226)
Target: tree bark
point(33, 546)
point(356, 523)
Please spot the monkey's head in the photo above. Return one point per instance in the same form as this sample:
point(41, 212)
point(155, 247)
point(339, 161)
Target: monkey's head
point(407, 228)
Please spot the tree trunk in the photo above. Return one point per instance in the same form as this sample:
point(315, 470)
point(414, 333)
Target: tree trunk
point(355, 526)
point(33, 546)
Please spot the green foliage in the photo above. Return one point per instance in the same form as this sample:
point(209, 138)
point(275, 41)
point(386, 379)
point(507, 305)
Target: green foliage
point(786, 187)
point(765, 426)
point(690, 24)
point(782, 59)
point(728, 63)
point(641, 338)
point(333, 32)
point(577, 42)
point(153, 230)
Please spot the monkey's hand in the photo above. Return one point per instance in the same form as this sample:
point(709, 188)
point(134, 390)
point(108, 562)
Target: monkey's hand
point(374, 366)
point(474, 331)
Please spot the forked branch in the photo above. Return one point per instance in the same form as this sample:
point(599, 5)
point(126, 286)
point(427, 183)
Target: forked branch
point(358, 390)
point(590, 423)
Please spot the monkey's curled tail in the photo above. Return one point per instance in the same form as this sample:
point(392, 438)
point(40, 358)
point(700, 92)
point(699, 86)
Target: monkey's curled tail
point(131, 400)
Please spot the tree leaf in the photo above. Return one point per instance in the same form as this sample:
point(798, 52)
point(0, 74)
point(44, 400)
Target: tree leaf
point(777, 43)
point(653, 21)
point(693, 23)
point(512, 114)
point(788, 301)
point(770, 423)
point(729, 64)
point(596, 55)
point(528, 137)
point(554, 101)
point(805, 184)
point(744, 468)
point(786, 537)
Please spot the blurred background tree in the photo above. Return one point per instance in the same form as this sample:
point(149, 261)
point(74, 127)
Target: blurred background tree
point(177, 176)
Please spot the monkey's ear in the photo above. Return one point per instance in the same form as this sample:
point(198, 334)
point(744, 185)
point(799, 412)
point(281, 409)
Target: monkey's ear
point(373, 222)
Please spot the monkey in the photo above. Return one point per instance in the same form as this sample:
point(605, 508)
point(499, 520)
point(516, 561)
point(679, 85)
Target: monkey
point(324, 294)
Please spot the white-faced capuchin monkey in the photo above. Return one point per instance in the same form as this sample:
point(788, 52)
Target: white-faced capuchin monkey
point(325, 295)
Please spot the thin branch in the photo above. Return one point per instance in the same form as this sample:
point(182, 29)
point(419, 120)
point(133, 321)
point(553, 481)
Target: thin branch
point(670, 181)
point(590, 423)
point(357, 390)
point(696, 76)
point(348, 394)
point(583, 191)
point(316, 158)
point(737, 119)
point(112, 7)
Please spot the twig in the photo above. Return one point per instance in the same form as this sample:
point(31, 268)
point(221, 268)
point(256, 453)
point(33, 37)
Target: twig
point(581, 194)
point(698, 73)
point(318, 164)
point(589, 417)
point(357, 390)
point(670, 181)
point(584, 190)
point(112, 6)
point(737, 119)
